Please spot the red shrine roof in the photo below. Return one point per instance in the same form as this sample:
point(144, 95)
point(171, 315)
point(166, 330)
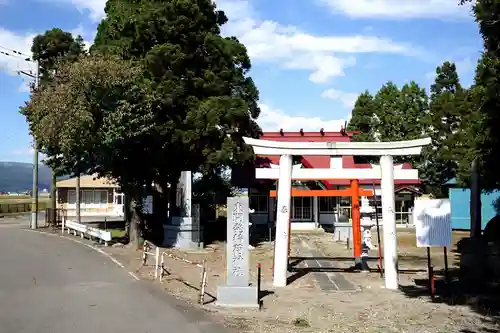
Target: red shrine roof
point(321, 162)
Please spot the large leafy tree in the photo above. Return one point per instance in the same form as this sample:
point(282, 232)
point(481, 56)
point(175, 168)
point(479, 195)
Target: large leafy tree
point(95, 117)
point(207, 100)
point(55, 46)
point(363, 118)
point(448, 105)
point(50, 49)
point(484, 127)
point(162, 92)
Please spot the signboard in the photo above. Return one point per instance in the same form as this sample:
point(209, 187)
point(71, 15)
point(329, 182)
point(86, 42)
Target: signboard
point(432, 218)
point(147, 205)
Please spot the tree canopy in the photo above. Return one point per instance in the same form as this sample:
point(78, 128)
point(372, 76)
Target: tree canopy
point(160, 92)
point(52, 47)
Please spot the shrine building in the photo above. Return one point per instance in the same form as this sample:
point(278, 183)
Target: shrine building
point(318, 203)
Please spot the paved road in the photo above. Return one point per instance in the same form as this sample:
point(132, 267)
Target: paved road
point(52, 285)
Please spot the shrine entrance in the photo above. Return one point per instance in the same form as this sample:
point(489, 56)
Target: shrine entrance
point(354, 191)
point(385, 171)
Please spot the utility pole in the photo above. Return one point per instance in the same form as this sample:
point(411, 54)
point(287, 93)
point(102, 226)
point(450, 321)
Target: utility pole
point(34, 194)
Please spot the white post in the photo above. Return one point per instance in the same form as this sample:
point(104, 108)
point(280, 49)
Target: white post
point(316, 212)
point(389, 223)
point(157, 259)
point(282, 221)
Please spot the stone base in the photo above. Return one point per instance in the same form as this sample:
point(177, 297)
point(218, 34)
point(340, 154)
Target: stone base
point(234, 296)
point(182, 236)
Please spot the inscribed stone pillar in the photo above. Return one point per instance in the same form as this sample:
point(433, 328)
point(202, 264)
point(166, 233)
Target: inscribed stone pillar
point(389, 223)
point(237, 291)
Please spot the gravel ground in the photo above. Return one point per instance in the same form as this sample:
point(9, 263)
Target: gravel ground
point(304, 307)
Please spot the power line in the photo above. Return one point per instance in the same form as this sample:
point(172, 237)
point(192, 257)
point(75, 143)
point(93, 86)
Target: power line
point(15, 53)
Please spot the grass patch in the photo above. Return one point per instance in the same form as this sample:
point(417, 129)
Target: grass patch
point(117, 233)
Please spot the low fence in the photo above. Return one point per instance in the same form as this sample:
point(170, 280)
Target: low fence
point(150, 249)
point(85, 230)
point(20, 207)
point(203, 274)
point(147, 250)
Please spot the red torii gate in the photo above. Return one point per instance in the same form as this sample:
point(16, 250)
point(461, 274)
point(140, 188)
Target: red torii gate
point(354, 191)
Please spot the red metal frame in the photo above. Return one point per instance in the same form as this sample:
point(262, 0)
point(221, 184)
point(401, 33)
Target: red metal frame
point(354, 191)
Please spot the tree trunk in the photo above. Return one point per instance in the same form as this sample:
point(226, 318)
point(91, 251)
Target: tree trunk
point(78, 199)
point(475, 200)
point(135, 226)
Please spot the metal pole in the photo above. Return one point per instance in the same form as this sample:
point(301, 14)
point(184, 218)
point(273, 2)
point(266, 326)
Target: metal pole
point(34, 194)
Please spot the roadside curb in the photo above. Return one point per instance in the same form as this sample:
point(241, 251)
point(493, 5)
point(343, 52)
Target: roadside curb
point(102, 252)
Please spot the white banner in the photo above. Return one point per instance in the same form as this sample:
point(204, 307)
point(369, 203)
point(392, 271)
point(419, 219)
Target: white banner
point(432, 219)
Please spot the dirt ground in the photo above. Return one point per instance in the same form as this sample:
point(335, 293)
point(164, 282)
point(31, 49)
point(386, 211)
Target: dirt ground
point(304, 307)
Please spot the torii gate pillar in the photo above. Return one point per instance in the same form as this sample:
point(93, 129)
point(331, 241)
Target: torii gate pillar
point(389, 223)
point(283, 221)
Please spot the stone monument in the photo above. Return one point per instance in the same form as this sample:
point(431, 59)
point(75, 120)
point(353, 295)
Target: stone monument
point(181, 232)
point(237, 292)
point(366, 225)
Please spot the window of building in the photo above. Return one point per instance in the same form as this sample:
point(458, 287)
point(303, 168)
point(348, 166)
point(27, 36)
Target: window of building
point(89, 197)
point(327, 204)
point(302, 209)
point(345, 206)
point(259, 203)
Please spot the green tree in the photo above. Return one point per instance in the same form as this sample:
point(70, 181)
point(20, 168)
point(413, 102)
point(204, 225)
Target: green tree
point(162, 92)
point(363, 118)
point(483, 120)
point(49, 49)
point(445, 120)
point(95, 117)
point(52, 47)
point(393, 114)
point(207, 100)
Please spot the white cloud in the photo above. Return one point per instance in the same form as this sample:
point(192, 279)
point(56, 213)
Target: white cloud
point(80, 30)
point(324, 56)
point(399, 9)
point(270, 41)
point(94, 8)
point(18, 42)
point(348, 99)
point(465, 66)
point(274, 119)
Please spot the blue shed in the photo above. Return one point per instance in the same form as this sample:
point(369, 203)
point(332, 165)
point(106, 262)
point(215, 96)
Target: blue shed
point(460, 206)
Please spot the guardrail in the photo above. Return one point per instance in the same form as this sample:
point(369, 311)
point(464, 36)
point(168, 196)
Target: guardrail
point(203, 277)
point(74, 227)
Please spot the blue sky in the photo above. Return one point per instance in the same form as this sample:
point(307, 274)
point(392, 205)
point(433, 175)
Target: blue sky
point(310, 58)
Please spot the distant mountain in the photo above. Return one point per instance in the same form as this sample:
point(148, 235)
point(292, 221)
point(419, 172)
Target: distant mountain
point(18, 177)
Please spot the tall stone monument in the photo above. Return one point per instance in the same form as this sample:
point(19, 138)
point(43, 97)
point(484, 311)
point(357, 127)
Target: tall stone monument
point(181, 232)
point(237, 292)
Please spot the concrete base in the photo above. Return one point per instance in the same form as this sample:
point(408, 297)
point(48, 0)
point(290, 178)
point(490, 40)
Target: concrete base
point(234, 296)
point(181, 233)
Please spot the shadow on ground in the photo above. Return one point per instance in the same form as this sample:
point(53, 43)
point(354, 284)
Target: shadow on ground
point(477, 290)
